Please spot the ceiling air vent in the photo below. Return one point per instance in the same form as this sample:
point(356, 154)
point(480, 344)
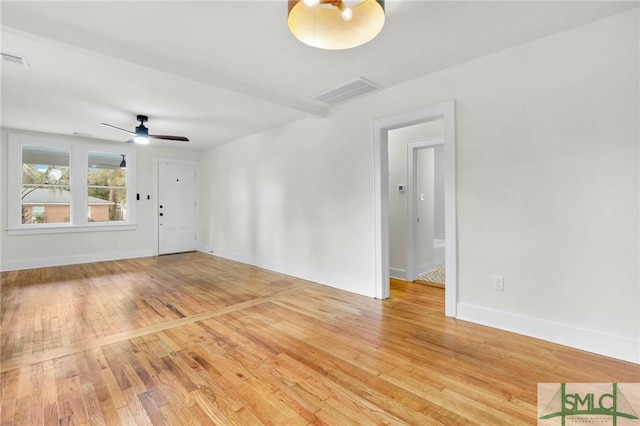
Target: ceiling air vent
point(16, 60)
point(346, 91)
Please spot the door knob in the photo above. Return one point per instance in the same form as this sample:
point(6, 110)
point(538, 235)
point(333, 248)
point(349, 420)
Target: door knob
point(161, 214)
point(161, 206)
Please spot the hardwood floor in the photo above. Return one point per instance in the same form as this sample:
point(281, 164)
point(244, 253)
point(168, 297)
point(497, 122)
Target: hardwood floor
point(192, 339)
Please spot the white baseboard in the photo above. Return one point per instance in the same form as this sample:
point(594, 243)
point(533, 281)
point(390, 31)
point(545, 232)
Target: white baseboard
point(297, 271)
point(423, 269)
point(259, 262)
point(588, 340)
point(438, 258)
point(399, 274)
point(72, 260)
point(579, 338)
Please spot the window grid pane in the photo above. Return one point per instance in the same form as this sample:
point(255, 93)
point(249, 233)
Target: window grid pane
point(45, 191)
point(107, 204)
point(45, 204)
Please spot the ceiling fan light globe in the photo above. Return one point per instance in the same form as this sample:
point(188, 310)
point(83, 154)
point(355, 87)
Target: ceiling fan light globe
point(143, 140)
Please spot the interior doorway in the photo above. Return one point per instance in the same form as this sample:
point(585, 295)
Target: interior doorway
point(426, 233)
point(444, 111)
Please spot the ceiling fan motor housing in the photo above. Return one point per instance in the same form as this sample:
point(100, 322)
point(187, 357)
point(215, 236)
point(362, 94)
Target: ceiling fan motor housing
point(142, 131)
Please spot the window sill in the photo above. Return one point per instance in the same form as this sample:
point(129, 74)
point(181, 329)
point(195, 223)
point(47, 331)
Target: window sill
point(66, 229)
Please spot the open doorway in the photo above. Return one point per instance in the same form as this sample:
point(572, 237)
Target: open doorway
point(416, 200)
point(445, 112)
point(426, 242)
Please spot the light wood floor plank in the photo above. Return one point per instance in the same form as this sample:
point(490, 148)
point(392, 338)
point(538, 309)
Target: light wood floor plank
point(192, 339)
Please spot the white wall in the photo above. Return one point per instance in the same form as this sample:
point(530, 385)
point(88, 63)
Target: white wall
point(28, 251)
point(548, 188)
point(398, 140)
point(297, 199)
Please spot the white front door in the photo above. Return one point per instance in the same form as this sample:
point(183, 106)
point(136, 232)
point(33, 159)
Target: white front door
point(176, 207)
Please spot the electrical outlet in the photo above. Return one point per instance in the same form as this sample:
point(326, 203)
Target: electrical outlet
point(498, 282)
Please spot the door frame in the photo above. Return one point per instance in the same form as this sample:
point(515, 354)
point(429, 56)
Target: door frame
point(413, 147)
point(382, 126)
point(156, 195)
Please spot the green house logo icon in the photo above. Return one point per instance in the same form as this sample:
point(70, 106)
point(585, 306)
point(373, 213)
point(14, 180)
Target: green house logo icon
point(587, 404)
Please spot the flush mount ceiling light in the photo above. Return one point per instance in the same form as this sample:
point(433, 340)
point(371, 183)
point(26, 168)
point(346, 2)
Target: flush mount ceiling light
point(335, 24)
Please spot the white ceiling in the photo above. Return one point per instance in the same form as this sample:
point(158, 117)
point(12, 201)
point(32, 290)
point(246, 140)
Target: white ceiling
point(216, 71)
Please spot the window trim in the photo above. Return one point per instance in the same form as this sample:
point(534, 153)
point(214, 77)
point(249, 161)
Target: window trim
point(79, 163)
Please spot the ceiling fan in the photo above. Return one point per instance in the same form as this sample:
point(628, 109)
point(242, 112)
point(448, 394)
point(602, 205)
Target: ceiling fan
point(141, 134)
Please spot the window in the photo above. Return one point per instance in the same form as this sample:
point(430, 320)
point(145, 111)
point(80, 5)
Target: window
point(107, 187)
point(45, 182)
point(65, 185)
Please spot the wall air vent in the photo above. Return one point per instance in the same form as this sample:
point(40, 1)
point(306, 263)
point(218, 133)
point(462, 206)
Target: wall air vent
point(346, 91)
point(16, 60)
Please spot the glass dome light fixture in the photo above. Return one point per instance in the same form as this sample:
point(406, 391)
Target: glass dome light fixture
point(335, 24)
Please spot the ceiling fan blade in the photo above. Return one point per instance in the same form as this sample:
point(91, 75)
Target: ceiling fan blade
point(118, 128)
point(170, 138)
